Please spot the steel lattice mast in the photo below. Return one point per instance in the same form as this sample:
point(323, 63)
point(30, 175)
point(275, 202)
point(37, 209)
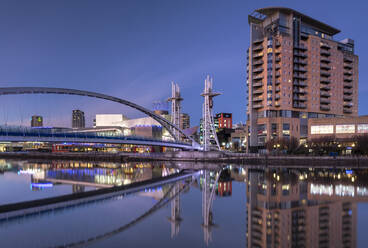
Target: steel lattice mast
point(209, 132)
point(175, 100)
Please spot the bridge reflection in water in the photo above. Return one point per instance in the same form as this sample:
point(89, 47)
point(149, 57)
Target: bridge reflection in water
point(284, 207)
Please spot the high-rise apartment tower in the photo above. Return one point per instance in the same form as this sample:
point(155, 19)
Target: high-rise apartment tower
point(78, 120)
point(296, 70)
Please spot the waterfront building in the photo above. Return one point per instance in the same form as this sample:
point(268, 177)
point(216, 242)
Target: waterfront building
point(339, 128)
point(36, 121)
point(145, 126)
point(239, 137)
point(184, 121)
point(296, 71)
point(225, 120)
point(109, 120)
point(78, 120)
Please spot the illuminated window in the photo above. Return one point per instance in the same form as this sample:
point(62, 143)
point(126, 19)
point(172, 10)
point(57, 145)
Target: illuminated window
point(363, 128)
point(322, 129)
point(345, 128)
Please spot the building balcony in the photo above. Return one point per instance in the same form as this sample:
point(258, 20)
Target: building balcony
point(299, 105)
point(258, 70)
point(325, 74)
point(257, 106)
point(325, 45)
point(277, 74)
point(277, 67)
point(257, 92)
point(299, 76)
point(277, 82)
point(258, 47)
point(348, 60)
point(301, 47)
point(304, 36)
point(277, 89)
point(260, 77)
point(348, 92)
point(277, 52)
point(258, 62)
point(325, 80)
point(277, 104)
point(300, 98)
point(300, 91)
point(348, 66)
point(299, 83)
point(325, 67)
point(258, 55)
point(258, 99)
point(325, 60)
point(324, 94)
point(325, 53)
point(277, 59)
point(347, 111)
point(324, 101)
point(299, 69)
point(325, 87)
point(348, 79)
point(300, 62)
point(300, 54)
point(258, 84)
point(348, 104)
point(277, 97)
point(277, 43)
point(347, 85)
point(324, 107)
point(257, 41)
point(347, 98)
point(348, 73)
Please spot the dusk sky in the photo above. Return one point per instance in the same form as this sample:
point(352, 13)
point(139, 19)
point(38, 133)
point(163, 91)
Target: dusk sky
point(134, 49)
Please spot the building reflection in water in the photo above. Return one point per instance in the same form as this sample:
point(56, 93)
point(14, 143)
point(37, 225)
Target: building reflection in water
point(84, 174)
point(212, 183)
point(284, 208)
point(303, 208)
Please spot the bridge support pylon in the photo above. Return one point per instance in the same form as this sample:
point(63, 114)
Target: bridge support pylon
point(209, 132)
point(175, 100)
point(175, 218)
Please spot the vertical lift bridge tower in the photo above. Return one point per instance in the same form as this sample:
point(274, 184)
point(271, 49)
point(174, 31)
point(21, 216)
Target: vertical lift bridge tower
point(209, 132)
point(175, 100)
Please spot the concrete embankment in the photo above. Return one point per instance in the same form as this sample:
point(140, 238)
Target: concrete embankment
point(213, 157)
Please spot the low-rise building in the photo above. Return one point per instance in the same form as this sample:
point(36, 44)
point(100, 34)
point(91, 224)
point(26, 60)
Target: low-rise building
point(340, 128)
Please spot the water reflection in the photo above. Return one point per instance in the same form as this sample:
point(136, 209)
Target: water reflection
point(304, 207)
point(285, 207)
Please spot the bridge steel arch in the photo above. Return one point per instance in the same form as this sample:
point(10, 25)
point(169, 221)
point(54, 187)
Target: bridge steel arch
point(64, 91)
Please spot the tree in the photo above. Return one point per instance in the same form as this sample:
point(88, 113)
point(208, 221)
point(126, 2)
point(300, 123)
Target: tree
point(288, 144)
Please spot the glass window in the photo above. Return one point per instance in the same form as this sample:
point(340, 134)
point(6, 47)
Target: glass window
point(363, 128)
point(345, 128)
point(322, 129)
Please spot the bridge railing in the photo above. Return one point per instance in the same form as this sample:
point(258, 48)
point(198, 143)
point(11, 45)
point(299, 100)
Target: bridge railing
point(44, 132)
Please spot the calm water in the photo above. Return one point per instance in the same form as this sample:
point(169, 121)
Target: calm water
point(237, 207)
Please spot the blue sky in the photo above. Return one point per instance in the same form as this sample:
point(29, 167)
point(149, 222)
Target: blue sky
point(134, 49)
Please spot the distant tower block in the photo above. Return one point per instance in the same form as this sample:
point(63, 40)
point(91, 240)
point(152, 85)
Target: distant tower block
point(209, 132)
point(175, 100)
